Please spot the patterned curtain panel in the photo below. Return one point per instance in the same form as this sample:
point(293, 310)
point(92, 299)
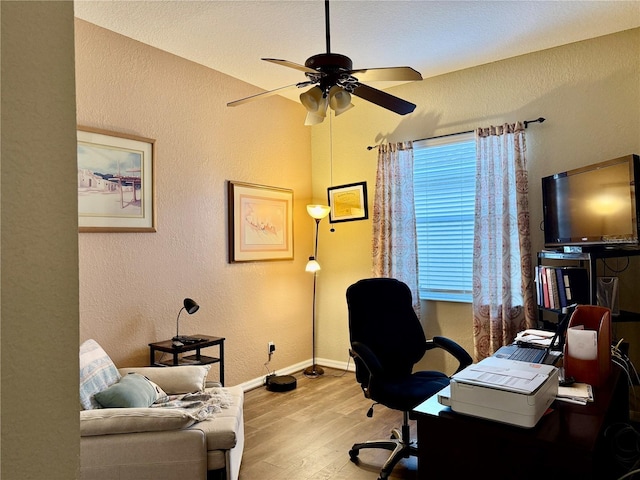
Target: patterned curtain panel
point(394, 220)
point(503, 300)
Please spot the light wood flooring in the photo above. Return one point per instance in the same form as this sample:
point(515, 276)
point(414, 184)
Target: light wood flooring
point(306, 433)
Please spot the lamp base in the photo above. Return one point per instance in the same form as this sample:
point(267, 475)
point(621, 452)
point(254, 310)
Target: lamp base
point(314, 371)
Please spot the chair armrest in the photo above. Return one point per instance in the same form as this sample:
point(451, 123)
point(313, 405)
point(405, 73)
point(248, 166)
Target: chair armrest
point(363, 353)
point(453, 348)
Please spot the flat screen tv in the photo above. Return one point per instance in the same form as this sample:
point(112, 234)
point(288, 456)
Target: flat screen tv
point(594, 206)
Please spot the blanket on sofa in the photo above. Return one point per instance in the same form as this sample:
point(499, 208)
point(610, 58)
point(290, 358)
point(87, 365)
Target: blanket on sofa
point(199, 405)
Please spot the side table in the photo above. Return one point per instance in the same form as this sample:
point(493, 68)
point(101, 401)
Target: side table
point(167, 346)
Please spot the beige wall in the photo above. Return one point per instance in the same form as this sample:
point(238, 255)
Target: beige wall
point(39, 322)
point(589, 93)
point(132, 284)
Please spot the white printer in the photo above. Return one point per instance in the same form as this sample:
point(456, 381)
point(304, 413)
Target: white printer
point(508, 391)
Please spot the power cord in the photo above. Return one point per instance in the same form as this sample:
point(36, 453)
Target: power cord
point(266, 366)
point(623, 361)
point(629, 474)
point(624, 442)
point(344, 372)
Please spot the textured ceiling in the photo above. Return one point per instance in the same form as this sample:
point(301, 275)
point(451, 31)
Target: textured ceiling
point(434, 37)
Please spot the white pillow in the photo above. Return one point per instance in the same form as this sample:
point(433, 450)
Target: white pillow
point(97, 373)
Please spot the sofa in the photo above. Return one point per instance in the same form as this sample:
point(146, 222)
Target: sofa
point(156, 422)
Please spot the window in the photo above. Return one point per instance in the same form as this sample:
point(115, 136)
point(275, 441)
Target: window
point(444, 190)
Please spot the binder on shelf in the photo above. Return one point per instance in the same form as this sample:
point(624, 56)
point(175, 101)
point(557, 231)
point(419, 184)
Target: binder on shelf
point(545, 290)
point(554, 299)
point(538, 281)
point(562, 290)
point(587, 350)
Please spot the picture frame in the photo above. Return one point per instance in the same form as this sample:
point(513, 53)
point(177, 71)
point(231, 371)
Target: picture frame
point(260, 222)
point(348, 202)
point(116, 182)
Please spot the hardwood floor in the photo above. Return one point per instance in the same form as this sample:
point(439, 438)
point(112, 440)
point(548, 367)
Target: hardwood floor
point(306, 434)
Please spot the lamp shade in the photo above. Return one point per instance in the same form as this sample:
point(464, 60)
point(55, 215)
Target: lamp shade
point(311, 99)
point(190, 306)
point(318, 211)
point(313, 119)
point(316, 103)
point(339, 100)
point(312, 266)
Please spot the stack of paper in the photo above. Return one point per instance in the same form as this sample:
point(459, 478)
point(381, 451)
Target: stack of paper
point(538, 338)
point(579, 393)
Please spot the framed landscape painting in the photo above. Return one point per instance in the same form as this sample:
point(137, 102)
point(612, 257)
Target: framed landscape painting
point(348, 202)
point(260, 222)
point(115, 182)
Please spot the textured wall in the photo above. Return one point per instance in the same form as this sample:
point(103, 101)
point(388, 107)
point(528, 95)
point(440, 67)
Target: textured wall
point(589, 93)
point(39, 326)
point(132, 285)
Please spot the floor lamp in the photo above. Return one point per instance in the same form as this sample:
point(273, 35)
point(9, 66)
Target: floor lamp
point(317, 212)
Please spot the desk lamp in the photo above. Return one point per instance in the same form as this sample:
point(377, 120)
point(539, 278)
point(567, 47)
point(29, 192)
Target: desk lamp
point(191, 307)
point(317, 212)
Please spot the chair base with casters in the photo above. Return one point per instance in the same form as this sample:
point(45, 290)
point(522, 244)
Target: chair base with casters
point(399, 444)
point(387, 340)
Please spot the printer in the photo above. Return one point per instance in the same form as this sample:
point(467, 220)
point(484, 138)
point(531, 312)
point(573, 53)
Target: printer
point(507, 391)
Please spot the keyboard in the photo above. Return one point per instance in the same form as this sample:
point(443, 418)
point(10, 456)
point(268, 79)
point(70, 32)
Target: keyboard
point(523, 354)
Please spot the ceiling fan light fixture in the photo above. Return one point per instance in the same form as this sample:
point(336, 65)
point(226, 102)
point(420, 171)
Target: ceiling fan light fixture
point(312, 99)
point(333, 71)
point(313, 119)
point(316, 104)
point(339, 100)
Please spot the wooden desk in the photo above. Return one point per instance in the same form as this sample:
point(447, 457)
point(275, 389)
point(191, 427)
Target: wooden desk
point(167, 346)
point(566, 443)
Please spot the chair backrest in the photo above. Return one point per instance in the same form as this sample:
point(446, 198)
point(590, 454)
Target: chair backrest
point(381, 317)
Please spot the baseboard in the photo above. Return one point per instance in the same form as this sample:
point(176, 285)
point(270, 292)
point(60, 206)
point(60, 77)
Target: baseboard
point(298, 367)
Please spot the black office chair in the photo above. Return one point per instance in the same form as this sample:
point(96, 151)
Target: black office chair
point(387, 340)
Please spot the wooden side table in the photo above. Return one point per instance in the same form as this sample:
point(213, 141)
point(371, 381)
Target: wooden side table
point(167, 346)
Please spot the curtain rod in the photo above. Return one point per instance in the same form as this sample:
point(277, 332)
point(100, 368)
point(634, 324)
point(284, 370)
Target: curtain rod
point(526, 124)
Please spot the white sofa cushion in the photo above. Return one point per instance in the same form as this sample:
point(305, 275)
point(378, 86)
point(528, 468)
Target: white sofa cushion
point(225, 428)
point(108, 421)
point(97, 373)
point(174, 380)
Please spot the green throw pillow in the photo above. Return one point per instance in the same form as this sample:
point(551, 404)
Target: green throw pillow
point(132, 391)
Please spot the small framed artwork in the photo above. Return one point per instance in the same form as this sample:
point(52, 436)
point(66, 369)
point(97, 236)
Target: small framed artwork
point(116, 188)
point(348, 202)
point(260, 222)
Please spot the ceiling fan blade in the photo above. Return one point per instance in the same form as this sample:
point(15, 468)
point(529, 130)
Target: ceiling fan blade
point(383, 99)
point(261, 95)
point(393, 74)
point(287, 63)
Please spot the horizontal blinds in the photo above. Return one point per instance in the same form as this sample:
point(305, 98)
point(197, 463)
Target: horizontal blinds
point(444, 178)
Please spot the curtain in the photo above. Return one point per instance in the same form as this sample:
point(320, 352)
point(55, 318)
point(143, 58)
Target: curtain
point(394, 221)
point(503, 300)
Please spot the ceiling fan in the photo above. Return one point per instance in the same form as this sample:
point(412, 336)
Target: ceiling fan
point(335, 81)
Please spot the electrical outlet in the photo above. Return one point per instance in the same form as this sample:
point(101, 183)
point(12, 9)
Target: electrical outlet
point(271, 347)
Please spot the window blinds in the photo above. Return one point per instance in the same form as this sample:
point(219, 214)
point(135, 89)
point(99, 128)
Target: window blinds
point(444, 184)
